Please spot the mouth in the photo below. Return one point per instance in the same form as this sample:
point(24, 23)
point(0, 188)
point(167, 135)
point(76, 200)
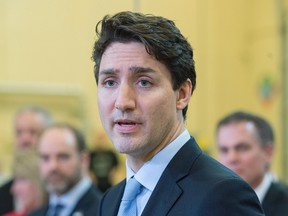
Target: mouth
point(55, 177)
point(125, 122)
point(126, 125)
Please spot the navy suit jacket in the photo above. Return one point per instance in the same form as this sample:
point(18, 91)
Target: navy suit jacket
point(87, 205)
point(192, 184)
point(6, 198)
point(275, 202)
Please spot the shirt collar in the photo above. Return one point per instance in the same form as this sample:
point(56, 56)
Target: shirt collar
point(262, 189)
point(158, 163)
point(70, 198)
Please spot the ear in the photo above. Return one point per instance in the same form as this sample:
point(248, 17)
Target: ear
point(268, 150)
point(85, 159)
point(184, 94)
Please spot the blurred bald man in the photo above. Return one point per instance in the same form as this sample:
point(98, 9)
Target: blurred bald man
point(28, 124)
point(64, 161)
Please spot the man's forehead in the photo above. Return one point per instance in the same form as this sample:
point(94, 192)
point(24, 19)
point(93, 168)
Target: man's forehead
point(239, 126)
point(237, 133)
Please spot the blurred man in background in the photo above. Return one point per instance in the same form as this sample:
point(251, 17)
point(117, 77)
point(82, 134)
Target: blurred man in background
point(246, 145)
point(64, 162)
point(28, 123)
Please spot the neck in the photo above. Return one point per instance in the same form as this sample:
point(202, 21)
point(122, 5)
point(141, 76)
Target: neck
point(135, 162)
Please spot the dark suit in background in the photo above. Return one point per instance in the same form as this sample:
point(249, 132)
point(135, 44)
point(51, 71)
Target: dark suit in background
point(275, 201)
point(87, 205)
point(6, 198)
point(192, 184)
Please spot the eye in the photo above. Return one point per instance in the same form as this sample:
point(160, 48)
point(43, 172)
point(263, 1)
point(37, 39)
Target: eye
point(144, 83)
point(223, 150)
point(63, 157)
point(44, 158)
point(109, 83)
point(243, 148)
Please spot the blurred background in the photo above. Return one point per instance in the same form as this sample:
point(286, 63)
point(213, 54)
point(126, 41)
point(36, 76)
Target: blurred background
point(241, 54)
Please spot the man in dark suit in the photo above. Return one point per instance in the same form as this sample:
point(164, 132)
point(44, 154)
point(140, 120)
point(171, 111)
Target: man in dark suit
point(64, 162)
point(145, 73)
point(28, 123)
point(246, 143)
point(6, 198)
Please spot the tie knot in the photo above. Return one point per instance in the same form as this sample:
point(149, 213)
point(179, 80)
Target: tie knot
point(57, 209)
point(132, 189)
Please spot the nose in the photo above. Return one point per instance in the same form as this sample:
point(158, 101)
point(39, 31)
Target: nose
point(232, 157)
point(26, 139)
point(52, 164)
point(125, 100)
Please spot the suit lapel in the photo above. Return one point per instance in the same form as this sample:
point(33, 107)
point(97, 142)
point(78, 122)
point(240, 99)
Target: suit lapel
point(40, 212)
point(81, 203)
point(270, 198)
point(168, 190)
point(84, 202)
point(111, 201)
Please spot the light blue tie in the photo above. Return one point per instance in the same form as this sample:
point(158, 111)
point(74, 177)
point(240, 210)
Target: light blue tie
point(128, 205)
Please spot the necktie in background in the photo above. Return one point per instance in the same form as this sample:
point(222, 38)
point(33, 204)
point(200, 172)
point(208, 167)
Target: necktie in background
point(57, 209)
point(128, 205)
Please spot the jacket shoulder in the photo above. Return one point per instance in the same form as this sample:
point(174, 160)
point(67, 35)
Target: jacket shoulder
point(111, 199)
point(89, 202)
point(39, 212)
point(276, 199)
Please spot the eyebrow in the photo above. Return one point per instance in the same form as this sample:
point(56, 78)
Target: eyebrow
point(107, 72)
point(133, 69)
point(238, 145)
point(136, 69)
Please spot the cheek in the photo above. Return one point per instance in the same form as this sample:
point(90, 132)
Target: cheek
point(43, 169)
point(103, 107)
point(161, 117)
point(253, 159)
point(29, 189)
point(223, 159)
point(23, 189)
point(104, 98)
point(100, 103)
point(163, 105)
point(262, 159)
point(70, 167)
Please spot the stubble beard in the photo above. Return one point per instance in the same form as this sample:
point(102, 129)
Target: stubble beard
point(64, 185)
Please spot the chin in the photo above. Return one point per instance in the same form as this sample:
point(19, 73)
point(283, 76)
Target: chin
point(124, 149)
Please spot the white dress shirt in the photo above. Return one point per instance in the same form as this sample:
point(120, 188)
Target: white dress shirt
point(263, 188)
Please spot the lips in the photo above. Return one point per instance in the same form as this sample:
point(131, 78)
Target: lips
point(123, 123)
point(126, 125)
point(54, 177)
